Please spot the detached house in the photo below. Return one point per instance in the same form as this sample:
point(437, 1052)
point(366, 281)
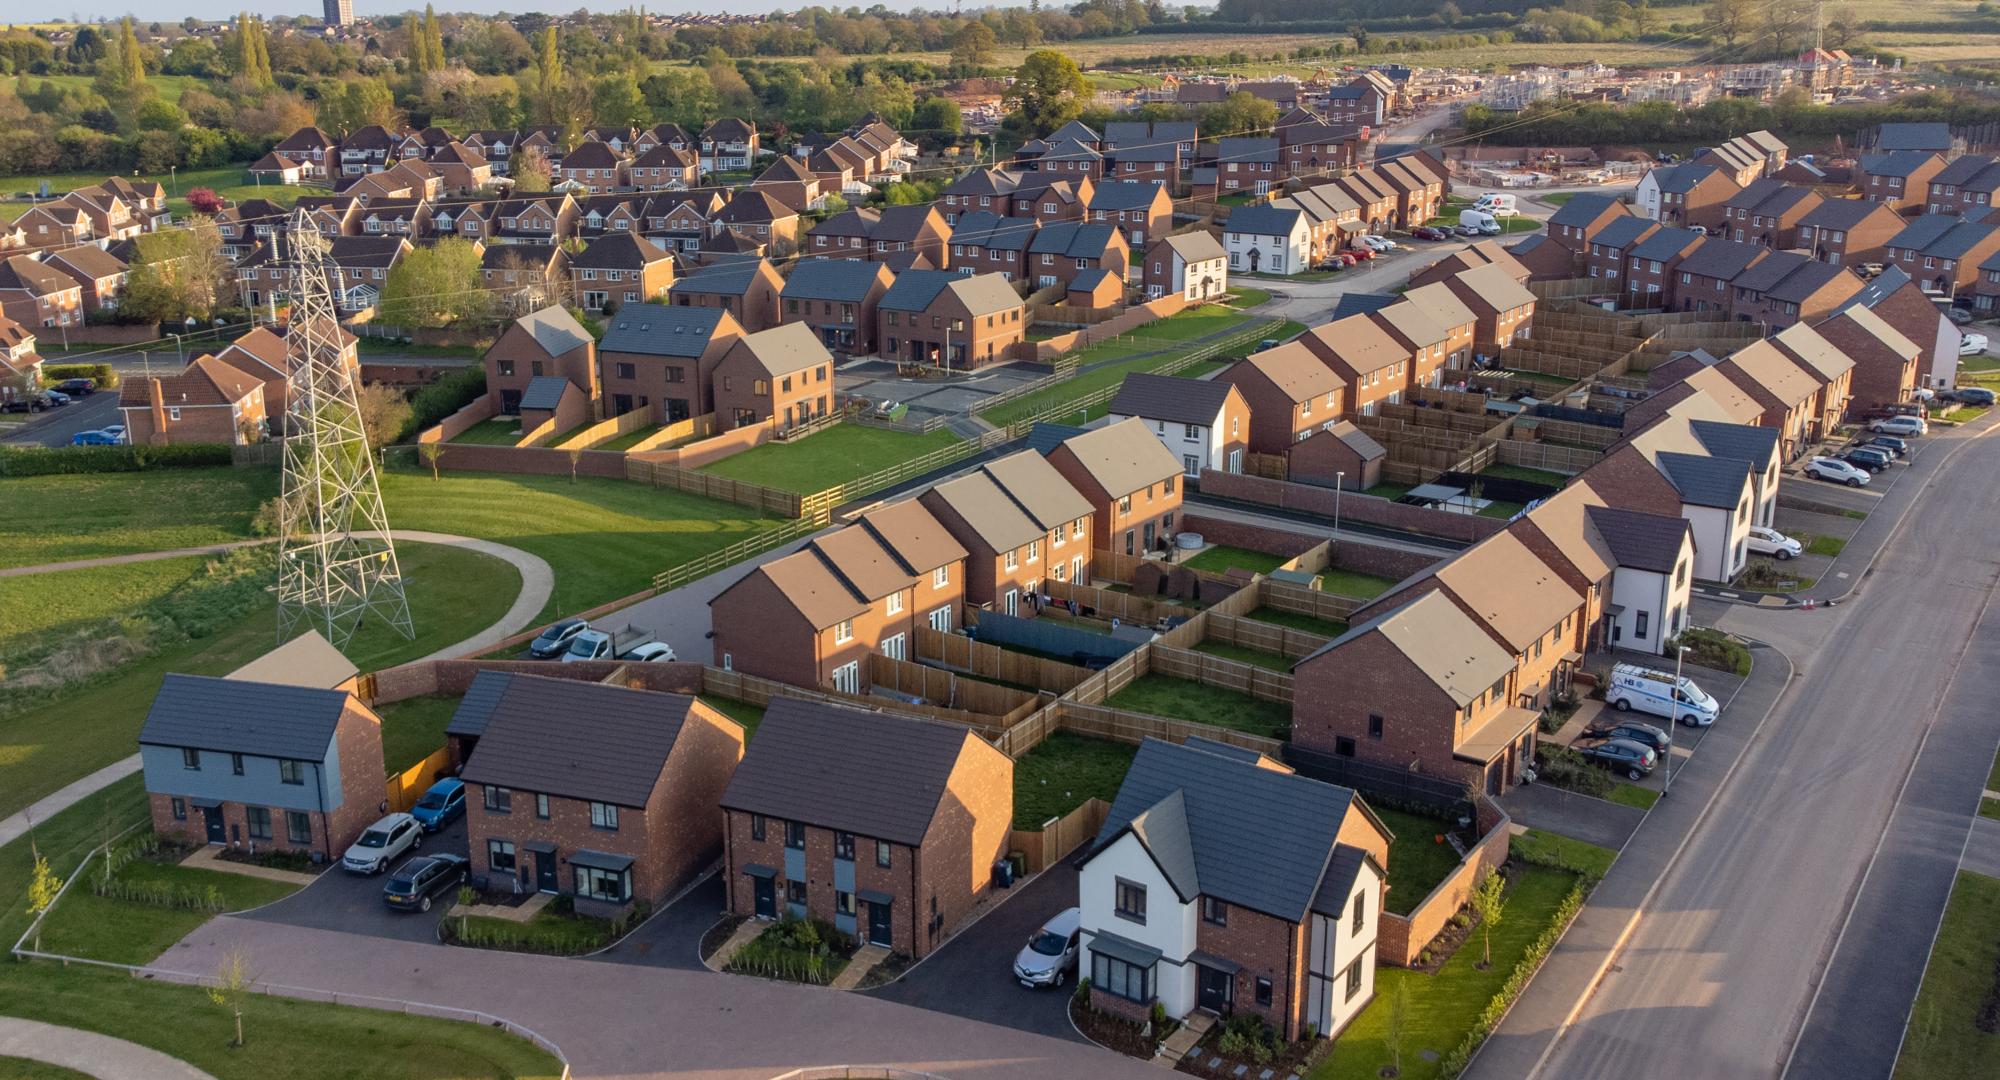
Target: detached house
point(1649, 593)
point(661, 359)
point(1142, 211)
point(728, 144)
point(36, 294)
point(547, 343)
point(1132, 482)
point(1204, 422)
point(593, 791)
point(1020, 523)
point(99, 273)
point(938, 319)
point(1503, 308)
point(620, 268)
point(1192, 264)
point(1223, 881)
point(208, 402)
point(782, 376)
point(837, 299)
point(897, 862)
point(1268, 239)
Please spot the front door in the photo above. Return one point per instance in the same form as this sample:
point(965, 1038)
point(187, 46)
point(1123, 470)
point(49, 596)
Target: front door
point(767, 898)
point(878, 926)
point(1149, 536)
point(1215, 990)
point(545, 871)
point(212, 817)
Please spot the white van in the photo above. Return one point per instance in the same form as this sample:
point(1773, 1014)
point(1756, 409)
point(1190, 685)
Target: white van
point(1497, 203)
point(1478, 221)
point(1638, 689)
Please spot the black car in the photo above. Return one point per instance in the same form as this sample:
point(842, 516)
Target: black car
point(555, 640)
point(1639, 732)
point(1872, 458)
point(78, 387)
point(1889, 443)
point(417, 881)
point(1973, 395)
point(1635, 760)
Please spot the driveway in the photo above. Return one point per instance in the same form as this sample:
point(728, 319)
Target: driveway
point(972, 976)
point(672, 938)
point(55, 426)
point(353, 904)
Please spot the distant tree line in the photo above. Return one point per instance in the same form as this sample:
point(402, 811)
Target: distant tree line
point(1652, 123)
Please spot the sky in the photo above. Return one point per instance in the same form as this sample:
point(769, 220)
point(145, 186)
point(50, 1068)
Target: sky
point(176, 10)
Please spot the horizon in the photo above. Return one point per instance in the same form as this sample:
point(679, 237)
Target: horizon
point(173, 11)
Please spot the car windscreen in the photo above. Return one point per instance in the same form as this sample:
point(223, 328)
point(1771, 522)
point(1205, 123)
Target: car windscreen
point(431, 801)
point(1048, 943)
point(582, 646)
point(373, 838)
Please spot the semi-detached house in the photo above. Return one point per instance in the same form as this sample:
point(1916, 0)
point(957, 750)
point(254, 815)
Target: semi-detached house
point(1020, 523)
point(1133, 485)
point(1290, 393)
point(1649, 594)
point(1373, 365)
point(661, 359)
point(1503, 308)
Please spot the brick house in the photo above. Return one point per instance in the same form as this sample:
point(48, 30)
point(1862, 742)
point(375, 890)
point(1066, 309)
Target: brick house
point(208, 402)
point(1223, 881)
point(757, 215)
point(1204, 422)
point(1046, 198)
point(783, 375)
point(1483, 253)
point(100, 274)
point(1503, 308)
point(593, 791)
point(897, 862)
point(1898, 301)
point(36, 294)
point(1781, 388)
point(1767, 213)
point(1290, 394)
point(939, 319)
point(1020, 522)
point(986, 243)
point(1788, 288)
point(1965, 186)
point(661, 359)
point(1654, 265)
point(837, 299)
point(1192, 264)
point(1309, 146)
point(591, 166)
point(1942, 253)
point(1558, 531)
point(1427, 339)
point(1577, 221)
point(1831, 369)
point(1887, 364)
point(1898, 179)
point(549, 342)
point(311, 148)
point(787, 180)
point(1131, 481)
point(526, 277)
point(989, 189)
point(728, 143)
point(1685, 195)
point(811, 618)
point(620, 268)
point(1611, 245)
point(20, 364)
point(664, 167)
point(1142, 211)
point(1848, 232)
point(1060, 250)
point(1461, 325)
point(55, 224)
point(262, 766)
point(1702, 279)
point(1368, 360)
point(747, 289)
point(1338, 455)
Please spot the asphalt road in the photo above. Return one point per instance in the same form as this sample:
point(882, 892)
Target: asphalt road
point(54, 427)
point(353, 903)
point(1717, 978)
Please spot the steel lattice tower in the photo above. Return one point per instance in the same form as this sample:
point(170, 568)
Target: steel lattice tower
point(336, 561)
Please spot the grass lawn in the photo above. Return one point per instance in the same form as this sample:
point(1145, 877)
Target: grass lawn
point(1626, 794)
point(1522, 472)
point(1062, 772)
point(1417, 862)
point(1221, 558)
point(1391, 492)
point(381, 346)
point(1944, 1041)
point(499, 431)
point(1183, 699)
point(1269, 660)
point(13, 1068)
point(1993, 778)
point(1444, 1006)
point(229, 181)
point(64, 600)
point(412, 729)
point(740, 711)
point(630, 439)
point(548, 931)
point(1249, 298)
point(829, 457)
point(1557, 198)
point(1500, 508)
point(1311, 625)
point(47, 744)
point(1537, 845)
point(604, 538)
point(63, 518)
point(1349, 583)
point(97, 928)
point(1123, 356)
point(1989, 808)
point(1830, 546)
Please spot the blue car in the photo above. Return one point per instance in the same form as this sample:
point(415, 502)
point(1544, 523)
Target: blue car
point(93, 438)
point(443, 802)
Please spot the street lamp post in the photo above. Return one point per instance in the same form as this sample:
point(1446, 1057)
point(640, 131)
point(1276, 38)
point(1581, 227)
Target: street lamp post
point(1667, 775)
point(1339, 482)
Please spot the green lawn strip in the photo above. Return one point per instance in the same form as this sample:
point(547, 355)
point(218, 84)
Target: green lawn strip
point(1555, 849)
point(1121, 357)
point(1633, 795)
point(570, 434)
point(1268, 660)
point(549, 931)
point(453, 593)
point(1062, 772)
point(1445, 1007)
point(64, 840)
point(1993, 778)
point(1391, 492)
point(1500, 508)
point(64, 518)
point(829, 457)
point(604, 538)
point(284, 1039)
point(1221, 558)
point(229, 181)
point(1184, 699)
point(55, 602)
point(1830, 546)
point(630, 439)
point(1311, 625)
point(413, 729)
point(1944, 1041)
point(1249, 298)
point(13, 1068)
point(1989, 808)
point(501, 431)
point(1522, 472)
point(1417, 859)
point(127, 932)
point(1558, 198)
point(1356, 585)
point(740, 711)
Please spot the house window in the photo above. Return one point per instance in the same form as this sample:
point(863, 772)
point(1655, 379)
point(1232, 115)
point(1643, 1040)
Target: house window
point(1263, 991)
point(1114, 976)
point(628, 371)
point(542, 805)
point(1374, 725)
point(894, 604)
point(612, 887)
point(1013, 560)
point(795, 892)
point(298, 827)
point(941, 577)
point(291, 772)
point(258, 821)
point(1125, 504)
point(499, 800)
point(1034, 550)
point(190, 758)
point(236, 764)
point(1639, 622)
point(795, 835)
point(1131, 901)
point(843, 631)
point(843, 903)
point(756, 826)
point(1343, 745)
point(882, 853)
point(604, 816)
point(1214, 911)
point(1360, 911)
point(1353, 979)
point(500, 856)
point(843, 846)
point(180, 808)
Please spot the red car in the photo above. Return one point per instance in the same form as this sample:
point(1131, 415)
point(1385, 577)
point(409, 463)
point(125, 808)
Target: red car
point(1425, 232)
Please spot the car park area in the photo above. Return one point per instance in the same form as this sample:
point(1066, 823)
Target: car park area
point(352, 903)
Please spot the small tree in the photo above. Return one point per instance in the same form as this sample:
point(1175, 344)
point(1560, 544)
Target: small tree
point(432, 451)
point(43, 887)
point(204, 201)
point(1396, 1026)
point(232, 983)
point(1486, 903)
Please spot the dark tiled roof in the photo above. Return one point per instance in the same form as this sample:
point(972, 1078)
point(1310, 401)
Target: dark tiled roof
point(1682, 178)
point(1622, 231)
point(1806, 280)
point(1942, 236)
point(1072, 239)
point(1169, 398)
point(731, 278)
point(661, 330)
point(620, 251)
point(988, 230)
point(1640, 540)
point(580, 740)
point(1584, 209)
point(1962, 171)
point(1749, 442)
point(476, 707)
point(264, 719)
point(1718, 258)
point(1044, 437)
point(1668, 243)
point(1913, 136)
point(874, 774)
point(1897, 163)
point(1263, 220)
point(1124, 195)
point(1706, 481)
point(1361, 303)
point(544, 392)
point(846, 280)
point(1840, 213)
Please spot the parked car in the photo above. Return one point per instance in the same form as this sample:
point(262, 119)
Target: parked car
point(1638, 731)
point(1466, 231)
point(1958, 316)
point(554, 641)
point(1900, 425)
point(1771, 542)
point(1050, 955)
point(1634, 759)
point(1868, 457)
point(1660, 693)
point(438, 807)
point(1836, 470)
point(1379, 243)
point(381, 843)
point(1428, 232)
point(116, 431)
point(93, 438)
point(651, 651)
point(417, 882)
point(1890, 443)
point(1973, 395)
point(595, 644)
point(1971, 344)
point(1870, 269)
point(55, 399)
point(77, 387)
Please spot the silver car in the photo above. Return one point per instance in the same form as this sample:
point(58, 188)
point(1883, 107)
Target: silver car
point(1049, 956)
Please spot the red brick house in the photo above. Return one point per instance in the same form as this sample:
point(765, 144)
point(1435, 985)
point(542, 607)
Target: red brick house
point(1577, 221)
point(1898, 179)
point(208, 402)
point(1132, 482)
point(1142, 211)
point(1291, 394)
point(620, 268)
point(1368, 360)
point(1020, 523)
point(782, 375)
point(36, 294)
point(747, 289)
point(837, 298)
point(940, 319)
point(661, 359)
point(549, 342)
point(99, 273)
point(1503, 308)
point(1887, 364)
point(1848, 232)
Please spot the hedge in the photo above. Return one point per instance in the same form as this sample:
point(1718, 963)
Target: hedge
point(76, 460)
point(105, 374)
point(1455, 1062)
point(440, 399)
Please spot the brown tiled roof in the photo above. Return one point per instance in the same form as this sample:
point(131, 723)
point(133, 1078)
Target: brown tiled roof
point(916, 538)
point(1123, 457)
point(1510, 589)
point(1295, 371)
point(870, 570)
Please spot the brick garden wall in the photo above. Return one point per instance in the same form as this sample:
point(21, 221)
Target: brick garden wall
point(534, 460)
point(1399, 939)
point(1385, 562)
point(1250, 537)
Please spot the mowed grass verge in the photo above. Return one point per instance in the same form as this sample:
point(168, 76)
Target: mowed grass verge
point(126, 932)
point(828, 458)
point(1123, 356)
point(1944, 1041)
point(66, 518)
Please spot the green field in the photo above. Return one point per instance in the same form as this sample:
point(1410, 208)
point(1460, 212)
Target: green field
point(500, 431)
point(630, 439)
point(1417, 862)
point(829, 457)
point(57, 602)
point(1349, 583)
point(412, 729)
point(122, 932)
point(1945, 1041)
point(13, 1068)
point(1221, 558)
point(229, 181)
point(740, 711)
point(63, 518)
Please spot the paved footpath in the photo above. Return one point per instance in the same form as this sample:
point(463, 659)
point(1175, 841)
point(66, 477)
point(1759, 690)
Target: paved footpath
point(87, 1052)
point(120, 560)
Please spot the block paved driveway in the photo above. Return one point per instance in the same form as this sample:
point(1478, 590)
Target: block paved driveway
point(353, 903)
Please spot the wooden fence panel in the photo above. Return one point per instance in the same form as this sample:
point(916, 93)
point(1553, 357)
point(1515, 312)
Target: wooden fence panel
point(1303, 601)
point(983, 660)
point(949, 690)
point(1262, 636)
point(1257, 682)
point(1044, 847)
point(1104, 722)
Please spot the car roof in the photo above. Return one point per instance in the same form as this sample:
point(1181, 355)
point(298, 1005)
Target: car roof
point(445, 784)
point(396, 818)
point(1064, 922)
